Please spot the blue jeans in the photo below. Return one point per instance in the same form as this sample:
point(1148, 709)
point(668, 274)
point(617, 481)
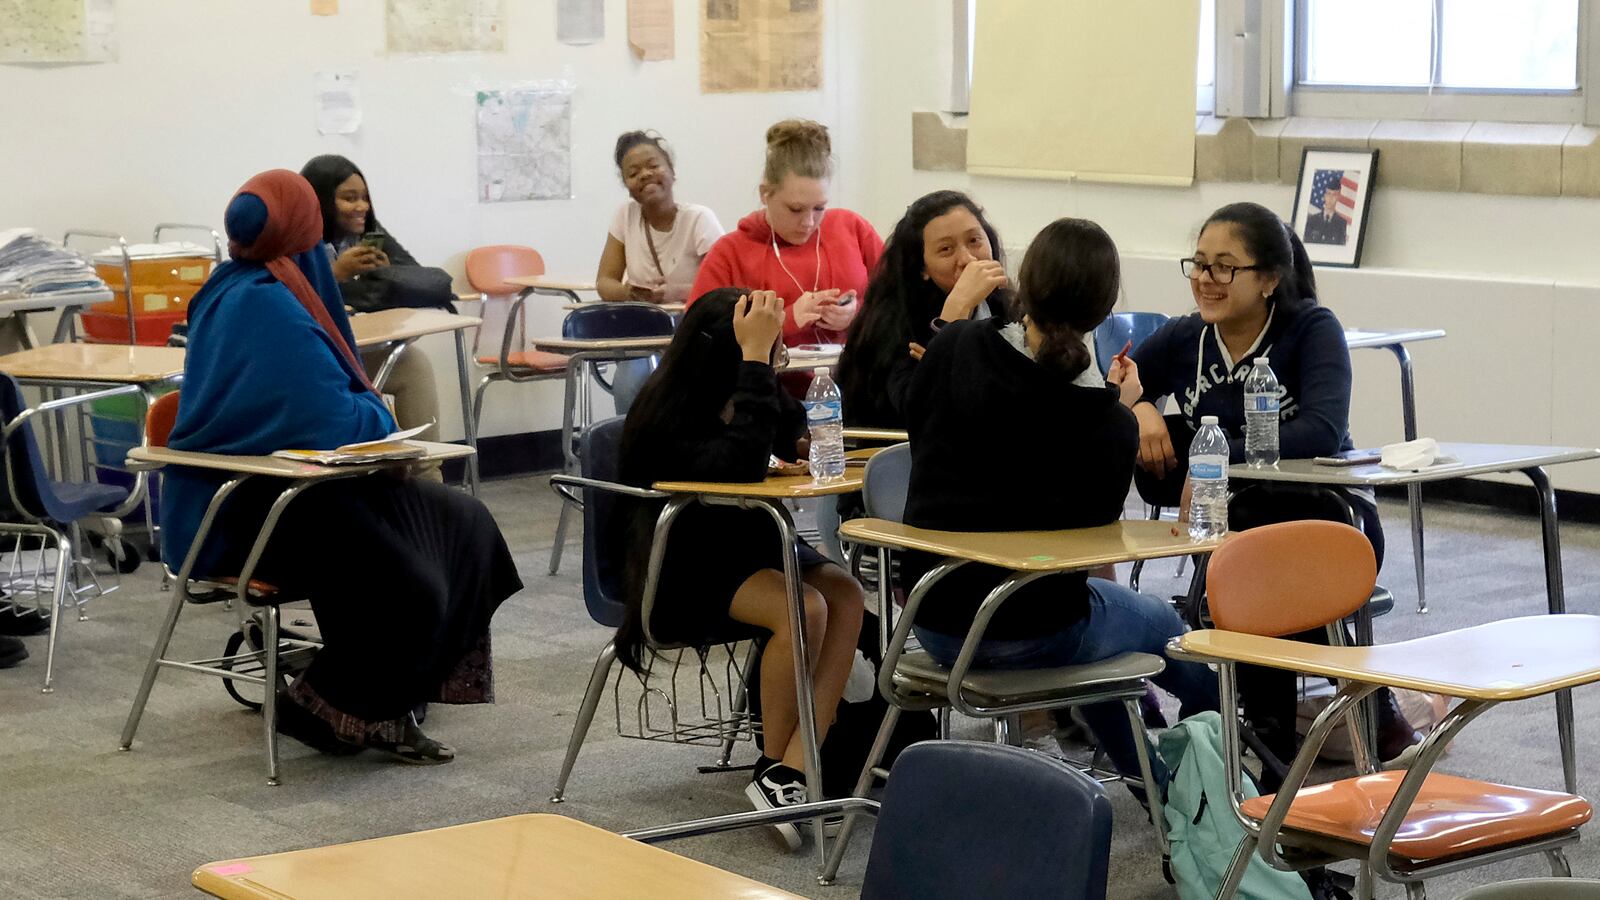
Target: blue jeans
point(1120, 620)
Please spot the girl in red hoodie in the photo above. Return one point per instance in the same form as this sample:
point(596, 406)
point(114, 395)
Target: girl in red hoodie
point(816, 259)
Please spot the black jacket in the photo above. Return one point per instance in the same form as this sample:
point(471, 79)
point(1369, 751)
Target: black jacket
point(1001, 443)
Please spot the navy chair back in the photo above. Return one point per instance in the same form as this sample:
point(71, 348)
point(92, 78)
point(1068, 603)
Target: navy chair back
point(963, 819)
point(1120, 328)
point(38, 496)
point(616, 320)
point(888, 479)
point(602, 561)
point(621, 320)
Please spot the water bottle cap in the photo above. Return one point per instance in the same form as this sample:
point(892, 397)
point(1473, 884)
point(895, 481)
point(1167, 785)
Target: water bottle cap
point(1263, 361)
point(1208, 420)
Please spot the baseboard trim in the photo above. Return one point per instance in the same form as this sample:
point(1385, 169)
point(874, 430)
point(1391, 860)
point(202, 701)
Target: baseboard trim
point(511, 455)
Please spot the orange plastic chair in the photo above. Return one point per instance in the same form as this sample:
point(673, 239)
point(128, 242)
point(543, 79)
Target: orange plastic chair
point(1287, 578)
point(158, 421)
point(487, 271)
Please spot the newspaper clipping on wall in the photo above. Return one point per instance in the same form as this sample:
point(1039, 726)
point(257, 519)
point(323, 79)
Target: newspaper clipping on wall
point(760, 45)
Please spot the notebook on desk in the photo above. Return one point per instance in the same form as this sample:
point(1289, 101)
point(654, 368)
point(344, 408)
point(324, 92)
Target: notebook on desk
point(395, 446)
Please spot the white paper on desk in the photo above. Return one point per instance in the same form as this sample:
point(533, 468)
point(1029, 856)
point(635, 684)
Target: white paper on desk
point(580, 21)
point(338, 102)
point(397, 436)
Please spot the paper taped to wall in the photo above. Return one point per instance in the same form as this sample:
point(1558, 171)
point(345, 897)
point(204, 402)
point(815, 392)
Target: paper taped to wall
point(524, 144)
point(57, 31)
point(338, 101)
point(445, 26)
point(580, 21)
point(760, 45)
point(650, 29)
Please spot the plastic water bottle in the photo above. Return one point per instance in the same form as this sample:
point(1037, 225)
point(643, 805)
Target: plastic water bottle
point(1208, 482)
point(825, 419)
point(1261, 415)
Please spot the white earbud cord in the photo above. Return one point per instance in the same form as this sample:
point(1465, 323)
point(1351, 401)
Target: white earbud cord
point(817, 280)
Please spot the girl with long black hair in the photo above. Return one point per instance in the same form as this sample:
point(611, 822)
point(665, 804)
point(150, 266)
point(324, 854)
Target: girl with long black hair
point(942, 263)
point(713, 412)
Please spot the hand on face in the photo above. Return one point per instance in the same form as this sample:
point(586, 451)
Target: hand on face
point(977, 281)
point(757, 323)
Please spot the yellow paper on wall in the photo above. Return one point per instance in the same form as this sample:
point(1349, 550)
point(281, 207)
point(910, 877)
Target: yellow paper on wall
point(324, 7)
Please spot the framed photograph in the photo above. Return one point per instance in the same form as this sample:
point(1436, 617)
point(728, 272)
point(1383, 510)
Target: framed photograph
point(1331, 202)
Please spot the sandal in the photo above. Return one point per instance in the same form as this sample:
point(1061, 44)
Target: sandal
point(415, 747)
point(304, 726)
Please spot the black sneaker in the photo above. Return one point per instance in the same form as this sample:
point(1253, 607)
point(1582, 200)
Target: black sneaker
point(23, 622)
point(775, 788)
point(12, 652)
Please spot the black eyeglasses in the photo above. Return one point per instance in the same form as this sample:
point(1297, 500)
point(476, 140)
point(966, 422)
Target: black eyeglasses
point(1221, 273)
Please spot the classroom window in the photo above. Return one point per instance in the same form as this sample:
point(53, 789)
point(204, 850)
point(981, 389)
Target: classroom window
point(1530, 45)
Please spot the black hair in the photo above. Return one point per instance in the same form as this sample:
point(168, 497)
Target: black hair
point(1277, 248)
point(326, 173)
point(901, 301)
point(685, 395)
point(1069, 281)
point(632, 139)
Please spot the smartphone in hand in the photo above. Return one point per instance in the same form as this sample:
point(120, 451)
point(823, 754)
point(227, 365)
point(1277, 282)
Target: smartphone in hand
point(373, 239)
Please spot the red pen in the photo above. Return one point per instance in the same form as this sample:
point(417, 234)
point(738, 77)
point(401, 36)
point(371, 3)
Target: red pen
point(1123, 353)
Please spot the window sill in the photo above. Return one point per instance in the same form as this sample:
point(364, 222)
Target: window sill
point(1453, 157)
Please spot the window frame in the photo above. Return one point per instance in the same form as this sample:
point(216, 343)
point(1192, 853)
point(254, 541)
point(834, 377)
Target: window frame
point(1436, 101)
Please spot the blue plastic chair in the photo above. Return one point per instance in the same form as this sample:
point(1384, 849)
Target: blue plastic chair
point(620, 320)
point(964, 819)
point(1120, 328)
point(604, 588)
point(35, 505)
point(599, 322)
point(961, 819)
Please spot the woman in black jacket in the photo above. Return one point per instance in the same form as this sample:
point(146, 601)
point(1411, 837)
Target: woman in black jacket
point(713, 412)
point(347, 217)
point(942, 263)
point(1025, 399)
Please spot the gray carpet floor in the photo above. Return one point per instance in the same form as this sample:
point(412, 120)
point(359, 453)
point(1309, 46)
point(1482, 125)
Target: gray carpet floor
point(80, 819)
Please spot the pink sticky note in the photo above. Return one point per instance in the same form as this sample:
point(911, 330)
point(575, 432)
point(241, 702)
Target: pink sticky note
point(231, 869)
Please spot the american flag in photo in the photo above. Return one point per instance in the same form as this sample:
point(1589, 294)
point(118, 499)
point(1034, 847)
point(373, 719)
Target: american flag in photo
point(1342, 181)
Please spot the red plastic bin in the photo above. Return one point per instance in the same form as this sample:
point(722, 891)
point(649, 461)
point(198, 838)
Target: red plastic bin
point(150, 329)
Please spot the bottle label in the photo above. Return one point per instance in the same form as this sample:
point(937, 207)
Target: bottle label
point(821, 412)
point(1261, 403)
point(1205, 470)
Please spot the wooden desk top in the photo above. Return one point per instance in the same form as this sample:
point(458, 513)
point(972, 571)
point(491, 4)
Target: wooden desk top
point(551, 283)
point(387, 325)
point(1509, 659)
point(117, 363)
point(891, 435)
point(1036, 551)
point(1357, 338)
point(778, 487)
point(602, 345)
point(517, 857)
point(155, 457)
point(1471, 459)
point(811, 363)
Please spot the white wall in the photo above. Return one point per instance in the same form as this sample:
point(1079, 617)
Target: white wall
point(208, 92)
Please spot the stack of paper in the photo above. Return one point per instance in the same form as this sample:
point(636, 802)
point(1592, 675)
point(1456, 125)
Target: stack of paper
point(395, 446)
point(30, 263)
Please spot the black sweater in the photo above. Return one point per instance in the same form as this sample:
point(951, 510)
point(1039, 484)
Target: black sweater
point(1001, 443)
point(1308, 355)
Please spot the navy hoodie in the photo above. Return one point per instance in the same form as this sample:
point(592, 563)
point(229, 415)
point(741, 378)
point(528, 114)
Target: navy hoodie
point(1185, 359)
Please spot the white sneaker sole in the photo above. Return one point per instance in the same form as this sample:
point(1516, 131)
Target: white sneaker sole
point(787, 831)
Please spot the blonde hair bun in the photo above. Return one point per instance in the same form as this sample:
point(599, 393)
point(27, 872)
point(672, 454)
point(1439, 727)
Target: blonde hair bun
point(798, 146)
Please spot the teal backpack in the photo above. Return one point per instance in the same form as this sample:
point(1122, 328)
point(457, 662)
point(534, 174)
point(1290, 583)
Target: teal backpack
point(1200, 823)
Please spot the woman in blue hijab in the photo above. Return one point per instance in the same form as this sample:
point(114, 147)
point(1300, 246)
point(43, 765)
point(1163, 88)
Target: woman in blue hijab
point(404, 575)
